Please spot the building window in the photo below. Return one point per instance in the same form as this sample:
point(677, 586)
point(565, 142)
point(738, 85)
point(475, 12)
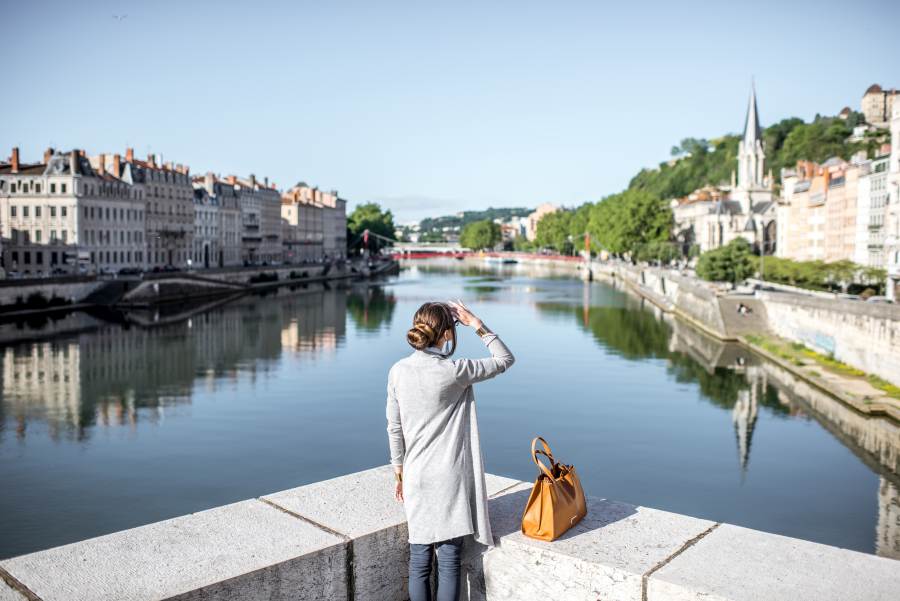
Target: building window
point(26, 257)
point(62, 211)
point(54, 258)
point(12, 211)
point(39, 258)
point(25, 211)
point(62, 188)
point(52, 188)
point(52, 236)
point(37, 188)
point(37, 211)
point(37, 236)
point(53, 211)
point(64, 235)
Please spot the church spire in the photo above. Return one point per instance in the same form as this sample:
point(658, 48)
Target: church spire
point(752, 131)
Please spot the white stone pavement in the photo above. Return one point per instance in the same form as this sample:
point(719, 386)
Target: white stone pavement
point(345, 539)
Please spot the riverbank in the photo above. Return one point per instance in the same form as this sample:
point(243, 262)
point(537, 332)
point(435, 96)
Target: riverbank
point(345, 539)
point(32, 298)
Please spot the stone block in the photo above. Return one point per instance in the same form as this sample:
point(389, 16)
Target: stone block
point(247, 550)
point(738, 564)
point(605, 556)
point(8, 594)
point(361, 506)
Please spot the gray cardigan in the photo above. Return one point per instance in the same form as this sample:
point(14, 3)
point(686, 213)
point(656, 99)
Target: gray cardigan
point(433, 433)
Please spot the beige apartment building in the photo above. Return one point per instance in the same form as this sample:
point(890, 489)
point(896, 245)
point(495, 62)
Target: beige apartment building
point(303, 219)
point(63, 215)
point(532, 220)
point(818, 218)
point(877, 105)
point(892, 217)
point(217, 223)
point(169, 197)
point(260, 205)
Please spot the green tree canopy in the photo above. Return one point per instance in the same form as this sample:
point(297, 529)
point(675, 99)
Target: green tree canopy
point(480, 235)
point(730, 263)
point(623, 222)
point(369, 216)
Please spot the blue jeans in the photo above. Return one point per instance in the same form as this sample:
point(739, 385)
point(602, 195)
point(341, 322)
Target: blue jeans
point(448, 553)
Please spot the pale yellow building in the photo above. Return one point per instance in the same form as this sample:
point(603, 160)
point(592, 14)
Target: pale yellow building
point(532, 220)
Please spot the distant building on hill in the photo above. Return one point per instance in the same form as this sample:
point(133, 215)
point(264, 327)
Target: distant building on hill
point(532, 220)
point(713, 216)
point(877, 105)
point(892, 233)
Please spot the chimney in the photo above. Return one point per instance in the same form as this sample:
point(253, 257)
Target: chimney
point(47, 155)
point(252, 181)
point(208, 181)
point(117, 163)
point(101, 169)
point(73, 162)
point(266, 181)
point(151, 158)
point(129, 154)
point(15, 159)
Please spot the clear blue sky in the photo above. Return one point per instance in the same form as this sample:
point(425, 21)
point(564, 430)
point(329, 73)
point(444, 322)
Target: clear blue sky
point(428, 109)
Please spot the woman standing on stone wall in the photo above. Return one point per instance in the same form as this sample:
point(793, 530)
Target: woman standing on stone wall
point(435, 450)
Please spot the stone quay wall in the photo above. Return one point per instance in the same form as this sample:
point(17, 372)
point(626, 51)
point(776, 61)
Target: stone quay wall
point(864, 335)
point(346, 539)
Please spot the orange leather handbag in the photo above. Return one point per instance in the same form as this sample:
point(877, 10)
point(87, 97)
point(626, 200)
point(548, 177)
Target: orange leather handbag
point(557, 499)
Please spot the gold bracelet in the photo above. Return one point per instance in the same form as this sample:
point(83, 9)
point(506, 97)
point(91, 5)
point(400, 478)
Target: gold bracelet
point(483, 331)
point(399, 477)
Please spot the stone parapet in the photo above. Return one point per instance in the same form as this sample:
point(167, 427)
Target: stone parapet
point(345, 538)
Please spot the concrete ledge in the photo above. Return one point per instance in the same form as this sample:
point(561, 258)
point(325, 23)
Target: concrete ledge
point(346, 538)
point(362, 508)
point(739, 564)
point(247, 550)
point(606, 556)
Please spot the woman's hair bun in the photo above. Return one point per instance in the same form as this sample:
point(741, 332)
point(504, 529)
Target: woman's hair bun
point(431, 323)
point(421, 336)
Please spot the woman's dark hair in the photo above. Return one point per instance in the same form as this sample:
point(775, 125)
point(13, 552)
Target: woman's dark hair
point(430, 323)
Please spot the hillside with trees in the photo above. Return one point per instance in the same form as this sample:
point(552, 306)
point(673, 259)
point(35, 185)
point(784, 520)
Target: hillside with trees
point(638, 220)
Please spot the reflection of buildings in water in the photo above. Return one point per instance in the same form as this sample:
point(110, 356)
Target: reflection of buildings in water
point(887, 531)
point(743, 416)
point(108, 376)
point(39, 379)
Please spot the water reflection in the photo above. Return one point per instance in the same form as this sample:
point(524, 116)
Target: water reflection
point(732, 377)
point(144, 364)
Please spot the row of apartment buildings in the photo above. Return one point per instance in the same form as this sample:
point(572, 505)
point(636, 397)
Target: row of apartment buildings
point(837, 210)
point(74, 213)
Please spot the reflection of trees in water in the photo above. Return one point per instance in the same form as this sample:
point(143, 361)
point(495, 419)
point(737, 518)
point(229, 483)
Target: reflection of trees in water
point(370, 307)
point(630, 332)
point(119, 374)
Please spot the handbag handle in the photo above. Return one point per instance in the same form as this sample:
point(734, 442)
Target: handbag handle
point(546, 452)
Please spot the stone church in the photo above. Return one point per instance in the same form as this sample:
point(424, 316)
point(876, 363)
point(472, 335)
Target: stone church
point(713, 216)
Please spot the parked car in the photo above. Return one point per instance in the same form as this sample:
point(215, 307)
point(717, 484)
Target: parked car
point(130, 271)
point(879, 299)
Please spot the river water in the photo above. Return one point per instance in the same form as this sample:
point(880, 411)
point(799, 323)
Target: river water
point(131, 419)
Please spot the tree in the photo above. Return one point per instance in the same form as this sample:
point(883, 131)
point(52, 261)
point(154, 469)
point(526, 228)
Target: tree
point(480, 235)
point(623, 222)
point(369, 216)
point(553, 232)
point(730, 263)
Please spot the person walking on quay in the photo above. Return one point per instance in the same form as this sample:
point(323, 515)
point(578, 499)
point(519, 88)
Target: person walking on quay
point(435, 449)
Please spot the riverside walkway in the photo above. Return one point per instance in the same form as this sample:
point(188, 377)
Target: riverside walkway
point(346, 539)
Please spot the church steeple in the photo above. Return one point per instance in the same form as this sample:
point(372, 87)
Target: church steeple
point(751, 155)
point(752, 131)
